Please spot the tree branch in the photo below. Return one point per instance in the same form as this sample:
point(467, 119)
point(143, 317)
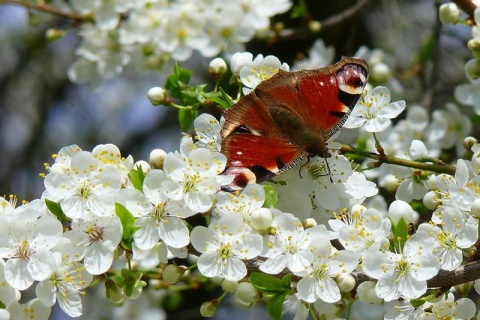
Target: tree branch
point(307, 32)
point(46, 8)
point(467, 6)
point(438, 167)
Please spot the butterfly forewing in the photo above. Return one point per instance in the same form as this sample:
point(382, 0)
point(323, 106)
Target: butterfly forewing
point(287, 117)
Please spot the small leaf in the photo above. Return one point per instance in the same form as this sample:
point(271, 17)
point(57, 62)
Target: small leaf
point(137, 176)
point(186, 118)
point(268, 284)
point(221, 98)
point(299, 10)
point(400, 234)
point(56, 209)
point(177, 81)
point(275, 305)
point(271, 197)
point(182, 74)
point(127, 219)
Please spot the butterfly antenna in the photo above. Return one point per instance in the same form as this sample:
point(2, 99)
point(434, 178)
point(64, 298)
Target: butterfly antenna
point(303, 165)
point(329, 170)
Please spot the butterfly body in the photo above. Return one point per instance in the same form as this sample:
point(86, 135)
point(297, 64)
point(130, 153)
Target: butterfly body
point(287, 118)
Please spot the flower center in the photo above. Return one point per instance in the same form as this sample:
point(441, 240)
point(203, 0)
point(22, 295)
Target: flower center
point(403, 267)
point(95, 233)
point(23, 250)
point(85, 190)
point(190, 182)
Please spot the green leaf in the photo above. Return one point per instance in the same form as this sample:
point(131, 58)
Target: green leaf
point(271, 197)
point(186, 117)
point(275, 304)
point(137, 176)
point(56, 209)
point(177, 81)
point(127, 219)
point(268, 284)
point(221, 98)
point(299, 10)
point(182, 74)
point(400, 234)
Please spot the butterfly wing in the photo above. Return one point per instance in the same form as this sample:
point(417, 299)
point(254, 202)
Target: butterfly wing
point(287, 117)
point(322, 99)
point(255, 147)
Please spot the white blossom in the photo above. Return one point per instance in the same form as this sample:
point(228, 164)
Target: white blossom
point(223, 246)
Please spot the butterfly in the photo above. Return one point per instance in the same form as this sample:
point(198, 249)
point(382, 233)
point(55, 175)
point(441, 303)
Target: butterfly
point(287, 118)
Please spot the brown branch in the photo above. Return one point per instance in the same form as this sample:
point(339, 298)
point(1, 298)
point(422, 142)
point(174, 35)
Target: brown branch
point(46, 8)
point(463, 274)
point(329, 23)
point(467, 6)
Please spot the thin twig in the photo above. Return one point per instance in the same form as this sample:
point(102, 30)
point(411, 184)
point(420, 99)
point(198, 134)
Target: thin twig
point(434, 167)
point(331, 22)
point(46, 8)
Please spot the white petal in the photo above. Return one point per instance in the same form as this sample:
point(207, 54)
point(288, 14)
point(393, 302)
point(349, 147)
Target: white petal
point(198, 201)
point(70, 301)
point(274, 265)
point(306, 289)
point(98, 258)
point(411, 288)
point(387, 287)
point(377, 125)
point(203, 239)
point(174, 232)
point(17, 274)
point(147, 234)
point(465, 308)
point(46, 292)
point(328, 290)
point(235, 269)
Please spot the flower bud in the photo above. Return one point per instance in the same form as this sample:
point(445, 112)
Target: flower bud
point(157, 157)
point(309, 223)
point(449, 13)
point(358, 209)
point(157, 95)
point(261, 219)
point(142, 165)
point(380, 72)
point(475, 210)
point(401, 209)
point(113, 292)
point(172, 273)
point(366, 293)
point(472, 69)
point(53, 34)
point(209, 308)
point(469, 142)
point(315, 26)
point(239, 60)
point(246, 293)
point(217, 66)
point(229, 286)
point(390, 183)
point(474, 47)
point(430, 200)
point(345, 282)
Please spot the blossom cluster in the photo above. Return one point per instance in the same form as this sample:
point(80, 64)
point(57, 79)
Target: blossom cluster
point(149, 33)
point(75, 231)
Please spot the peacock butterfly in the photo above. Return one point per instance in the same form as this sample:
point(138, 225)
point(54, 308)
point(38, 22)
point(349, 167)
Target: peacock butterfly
point(287, 118)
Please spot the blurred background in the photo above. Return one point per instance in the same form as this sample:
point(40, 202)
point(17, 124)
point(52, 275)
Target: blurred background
point(42, 111)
